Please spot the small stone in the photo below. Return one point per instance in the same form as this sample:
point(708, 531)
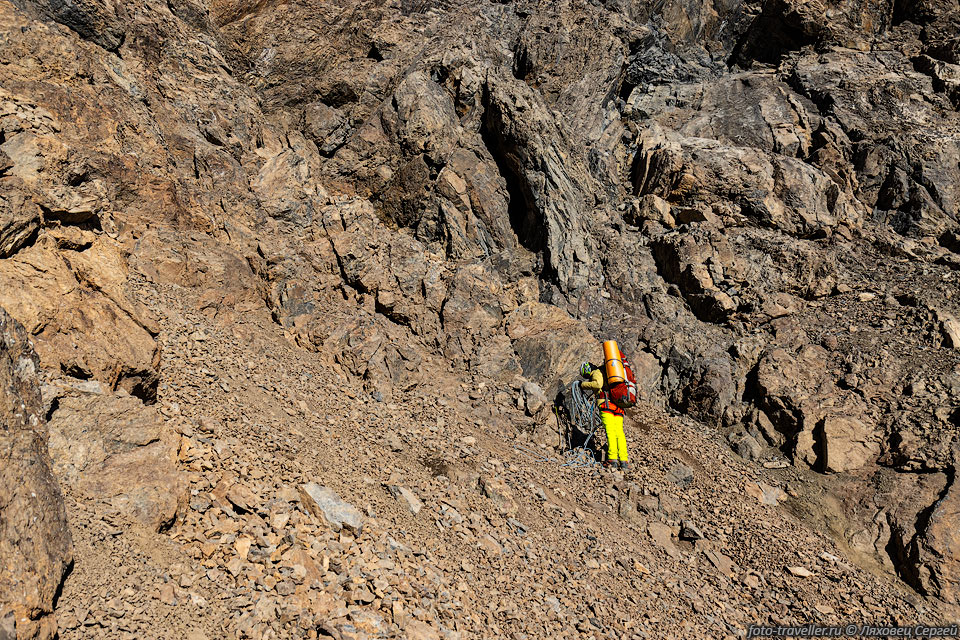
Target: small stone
point(723, 563)
point(489, 545)
point(361, 595)
point(764, 493)
point(242, 497)
point(417, 630)
point(394, 441)
point(518, 527)
point(167, 595)
point(680, 474)
point(661, 534)
point(690, 531)
point(234, 566)
point(748, 448)
point(800, 572)
point(499, 493)
point(534, 397)
point(399, 615)
point(279, 520)
point(407, 498)
point(242, 546)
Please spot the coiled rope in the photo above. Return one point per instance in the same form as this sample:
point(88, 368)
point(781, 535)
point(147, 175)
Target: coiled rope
point(585, 417)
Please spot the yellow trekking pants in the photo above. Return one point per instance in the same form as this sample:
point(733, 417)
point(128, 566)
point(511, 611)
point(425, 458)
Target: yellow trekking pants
point(616, 440)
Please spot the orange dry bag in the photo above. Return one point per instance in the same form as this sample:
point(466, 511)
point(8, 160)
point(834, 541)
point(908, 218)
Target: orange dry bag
point(613, 364)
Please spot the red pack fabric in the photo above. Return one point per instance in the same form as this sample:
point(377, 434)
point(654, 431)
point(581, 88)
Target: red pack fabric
point(624, 395)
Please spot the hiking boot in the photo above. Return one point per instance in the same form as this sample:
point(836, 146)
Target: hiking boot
point(624, 465)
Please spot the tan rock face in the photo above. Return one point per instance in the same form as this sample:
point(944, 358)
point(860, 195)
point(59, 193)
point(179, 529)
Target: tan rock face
point(19, 217)
point(75, 304)
point(35, 544)
point(849, 443)
point(548, 341)
point(939, 549)
point(117, 450)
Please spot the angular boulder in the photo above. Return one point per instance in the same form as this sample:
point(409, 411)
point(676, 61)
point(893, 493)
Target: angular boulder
point(325, 504)
point(115, 449)
point(849, 443)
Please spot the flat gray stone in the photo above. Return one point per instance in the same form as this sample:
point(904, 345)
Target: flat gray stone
point(324, 503)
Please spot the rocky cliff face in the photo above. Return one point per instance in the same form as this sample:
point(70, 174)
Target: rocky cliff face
point(758, 200)
point(34, 537)
point(756, 196)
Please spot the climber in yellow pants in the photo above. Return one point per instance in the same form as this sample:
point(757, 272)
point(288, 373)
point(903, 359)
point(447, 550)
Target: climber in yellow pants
point(616, 440)
point(610, 414)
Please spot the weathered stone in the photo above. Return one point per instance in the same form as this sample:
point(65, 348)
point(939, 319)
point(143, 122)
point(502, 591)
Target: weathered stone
point(242, 497)
point(460, 473)
point(938, 565)
point(534, 398)
point(690, 531)
point(499, 493)
point(849, 443)
point(650, 207)
point(661, 534)
point(417, 630)
point(89, 332)
point(951, 332)
point(747, 447)
point(722, 562)
point(764, 493)
point(407, 498)
point(680, 474)
point(550, 344)
point(19, 219)
point(324, 503)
